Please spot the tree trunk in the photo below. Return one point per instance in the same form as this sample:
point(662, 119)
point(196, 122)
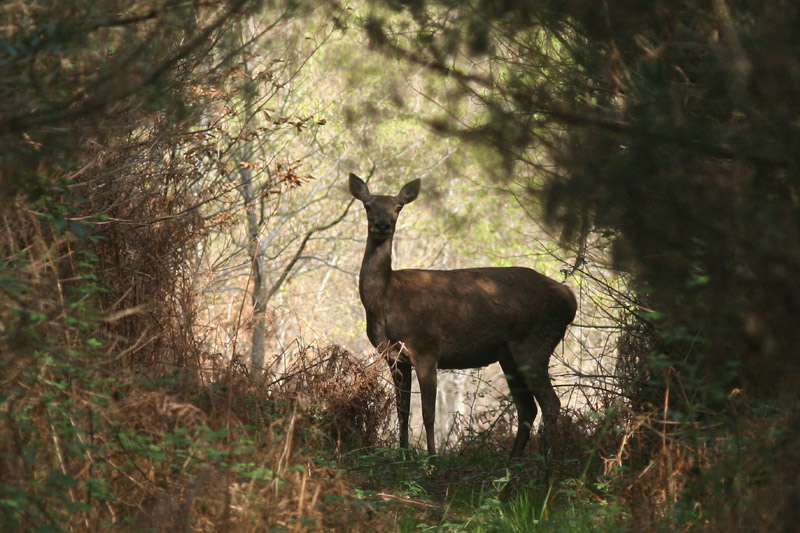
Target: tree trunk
point(257, 256)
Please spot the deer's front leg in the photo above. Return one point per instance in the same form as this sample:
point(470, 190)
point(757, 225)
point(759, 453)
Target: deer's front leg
point(401, 374)
point(426, 374)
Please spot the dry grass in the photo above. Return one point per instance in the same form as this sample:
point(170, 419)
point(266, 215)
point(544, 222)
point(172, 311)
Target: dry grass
point(104, 418)
point(347, 397)
point(133, 455)
point(238, 476)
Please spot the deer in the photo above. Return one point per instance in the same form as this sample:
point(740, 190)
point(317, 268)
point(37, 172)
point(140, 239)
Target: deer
point(459, 319)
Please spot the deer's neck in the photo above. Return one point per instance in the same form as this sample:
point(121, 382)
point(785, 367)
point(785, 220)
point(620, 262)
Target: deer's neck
point(376, 271)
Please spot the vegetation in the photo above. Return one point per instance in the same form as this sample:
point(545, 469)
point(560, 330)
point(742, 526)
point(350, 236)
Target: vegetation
point(181, 344)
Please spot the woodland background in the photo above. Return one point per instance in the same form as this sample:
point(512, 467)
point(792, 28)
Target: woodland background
point(181, 341)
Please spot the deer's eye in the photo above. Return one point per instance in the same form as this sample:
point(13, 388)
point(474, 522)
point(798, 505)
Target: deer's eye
point(368, 208)
point(398, 208)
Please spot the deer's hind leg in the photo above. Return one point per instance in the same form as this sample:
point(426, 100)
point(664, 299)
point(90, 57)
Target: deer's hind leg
point(523, 400)
point(532, 357)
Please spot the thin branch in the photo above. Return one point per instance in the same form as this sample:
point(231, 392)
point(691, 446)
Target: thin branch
point(299, 252)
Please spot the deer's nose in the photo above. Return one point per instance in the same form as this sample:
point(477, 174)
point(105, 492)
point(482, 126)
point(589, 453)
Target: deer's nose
point(382, 226)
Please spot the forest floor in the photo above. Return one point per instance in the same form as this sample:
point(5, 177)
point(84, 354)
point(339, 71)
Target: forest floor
point(484, 491)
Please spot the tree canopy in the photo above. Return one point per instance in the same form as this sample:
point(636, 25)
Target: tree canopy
point(669, 127)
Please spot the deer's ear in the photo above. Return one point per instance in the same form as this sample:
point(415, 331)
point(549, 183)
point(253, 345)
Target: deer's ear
point(359, 189)
point(409, 192)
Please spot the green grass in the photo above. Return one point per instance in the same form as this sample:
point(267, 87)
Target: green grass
point(482, 493)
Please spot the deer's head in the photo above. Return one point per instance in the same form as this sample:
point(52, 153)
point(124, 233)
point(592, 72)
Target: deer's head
point(382, 211)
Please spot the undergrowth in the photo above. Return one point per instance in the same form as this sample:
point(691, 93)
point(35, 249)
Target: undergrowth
point(111, 415)
point(487, 492)
point(114, 416)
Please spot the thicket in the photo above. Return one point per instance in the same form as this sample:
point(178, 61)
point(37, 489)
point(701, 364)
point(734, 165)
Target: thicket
point(667, 131)
point(114, 411)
